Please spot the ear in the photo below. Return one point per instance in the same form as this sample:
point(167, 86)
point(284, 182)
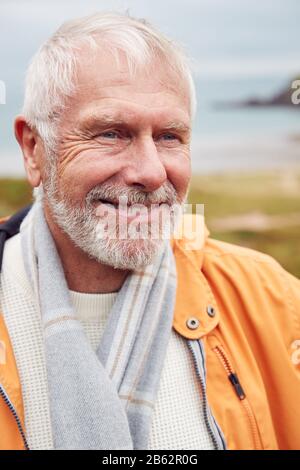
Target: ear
point(30, 144)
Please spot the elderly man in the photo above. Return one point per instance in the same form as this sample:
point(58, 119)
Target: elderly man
point(111, 340)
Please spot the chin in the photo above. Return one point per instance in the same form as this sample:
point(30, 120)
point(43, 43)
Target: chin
point(127, 254)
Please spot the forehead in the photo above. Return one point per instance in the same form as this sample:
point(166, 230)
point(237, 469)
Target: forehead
point(106, 82)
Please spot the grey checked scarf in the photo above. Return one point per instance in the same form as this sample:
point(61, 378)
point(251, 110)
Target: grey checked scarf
point(101, 400)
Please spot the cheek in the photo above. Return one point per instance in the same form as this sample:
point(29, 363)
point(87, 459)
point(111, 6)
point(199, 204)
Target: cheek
point(179, 174)
point(84, 174)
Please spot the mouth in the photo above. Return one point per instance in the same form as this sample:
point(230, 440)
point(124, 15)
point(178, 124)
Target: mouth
point(115, 203)
point(107, 202)
point(128, 211)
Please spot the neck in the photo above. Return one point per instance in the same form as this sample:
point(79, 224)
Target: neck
point(82, 273)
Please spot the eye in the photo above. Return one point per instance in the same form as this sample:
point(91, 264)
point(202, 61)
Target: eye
point(109, 135)
point(169, 136)
point(169, 139)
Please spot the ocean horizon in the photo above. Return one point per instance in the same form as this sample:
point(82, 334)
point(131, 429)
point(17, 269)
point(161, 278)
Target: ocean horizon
point(240, 50)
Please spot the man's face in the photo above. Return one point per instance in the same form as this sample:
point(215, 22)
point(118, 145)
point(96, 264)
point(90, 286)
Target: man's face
point(122, 133)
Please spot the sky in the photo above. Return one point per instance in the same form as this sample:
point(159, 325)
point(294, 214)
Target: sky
point(224, 36)
point(250, 40)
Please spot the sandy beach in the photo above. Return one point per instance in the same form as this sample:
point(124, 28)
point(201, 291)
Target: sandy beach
point(249, 152)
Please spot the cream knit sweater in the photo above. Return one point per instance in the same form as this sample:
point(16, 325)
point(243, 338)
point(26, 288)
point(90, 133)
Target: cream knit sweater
point(178, 421)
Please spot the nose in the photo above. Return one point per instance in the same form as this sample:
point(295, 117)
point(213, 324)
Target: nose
point(145, 169)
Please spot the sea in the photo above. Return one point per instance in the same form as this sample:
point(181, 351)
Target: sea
point(241, 49)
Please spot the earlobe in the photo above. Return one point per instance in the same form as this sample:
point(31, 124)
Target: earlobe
point(28, 141)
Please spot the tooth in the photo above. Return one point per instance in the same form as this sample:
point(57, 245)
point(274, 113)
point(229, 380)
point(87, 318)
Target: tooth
point(109, 204)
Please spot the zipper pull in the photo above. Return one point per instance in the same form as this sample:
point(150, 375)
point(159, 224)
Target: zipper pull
point(237, 386)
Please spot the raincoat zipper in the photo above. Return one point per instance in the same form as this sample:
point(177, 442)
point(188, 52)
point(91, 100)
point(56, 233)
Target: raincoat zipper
point(15, 415)
point(213, 429)
point(234, 380)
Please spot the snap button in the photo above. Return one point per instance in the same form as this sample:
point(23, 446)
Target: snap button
point(192, 323)
point(211, 311)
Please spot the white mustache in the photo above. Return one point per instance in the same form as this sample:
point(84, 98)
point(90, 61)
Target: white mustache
point(166, 194)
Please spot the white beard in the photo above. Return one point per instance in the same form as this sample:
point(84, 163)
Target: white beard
point(83, 227)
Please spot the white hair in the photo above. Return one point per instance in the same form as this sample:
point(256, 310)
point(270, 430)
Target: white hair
point(50, 78)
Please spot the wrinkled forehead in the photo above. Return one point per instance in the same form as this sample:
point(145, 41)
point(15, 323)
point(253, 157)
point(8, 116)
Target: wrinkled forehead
point(99, 71)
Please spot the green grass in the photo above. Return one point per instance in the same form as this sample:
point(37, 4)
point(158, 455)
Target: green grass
point(14, 194)
point(272, 193)
point(224, 194)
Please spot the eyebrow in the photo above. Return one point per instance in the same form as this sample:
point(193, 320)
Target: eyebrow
point(108, 119)
point(102, 119)
point(177, 126)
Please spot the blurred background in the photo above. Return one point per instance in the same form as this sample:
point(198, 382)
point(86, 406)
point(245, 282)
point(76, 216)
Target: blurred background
point(246, 138)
